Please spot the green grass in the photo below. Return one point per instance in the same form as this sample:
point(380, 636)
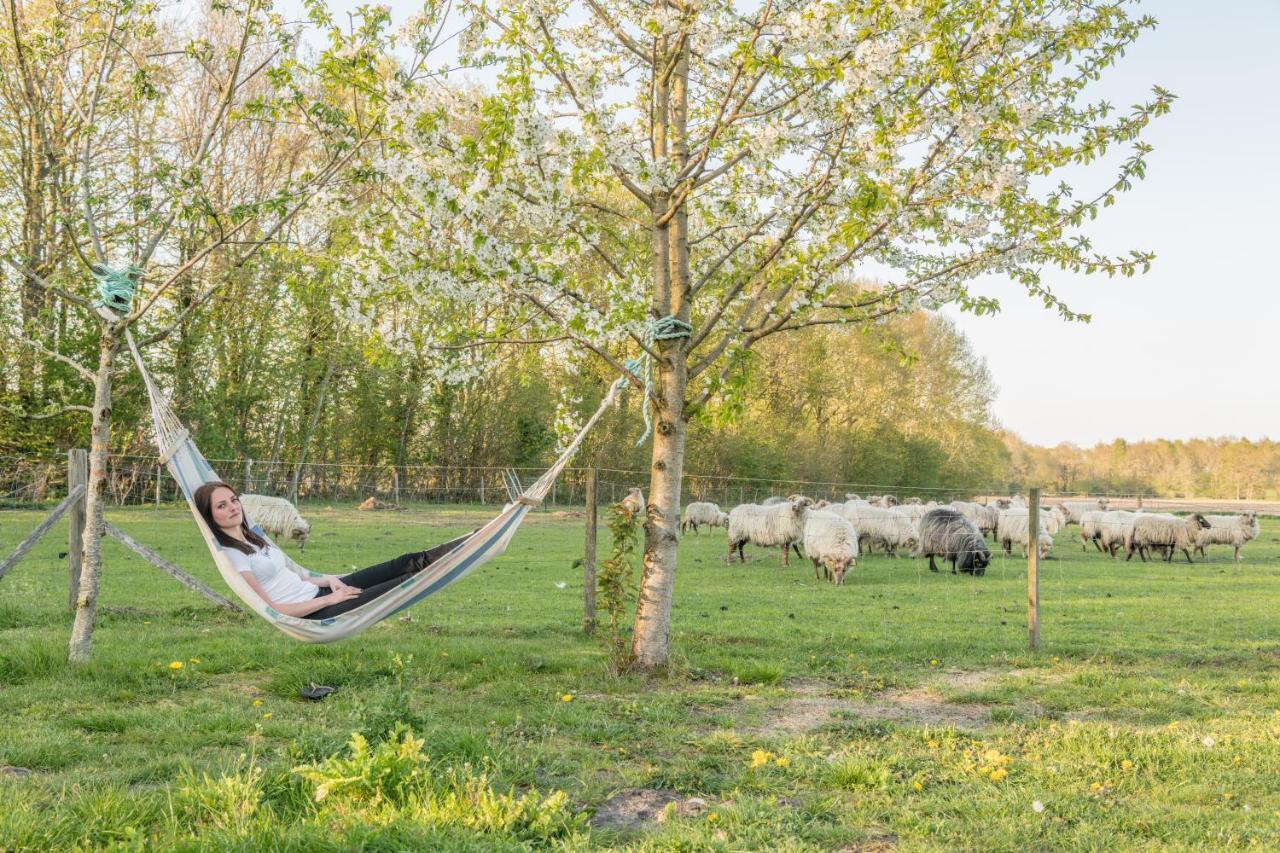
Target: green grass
point(902, 709)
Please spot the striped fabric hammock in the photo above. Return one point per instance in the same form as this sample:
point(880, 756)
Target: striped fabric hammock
point(191, 470)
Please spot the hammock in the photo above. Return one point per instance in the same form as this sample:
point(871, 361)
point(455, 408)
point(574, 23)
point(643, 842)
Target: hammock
point(191, 470)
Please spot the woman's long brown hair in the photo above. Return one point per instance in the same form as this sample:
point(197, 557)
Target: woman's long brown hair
point(203, 499)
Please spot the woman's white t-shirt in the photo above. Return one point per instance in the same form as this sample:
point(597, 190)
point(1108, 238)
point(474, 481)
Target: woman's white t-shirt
point(280, 584)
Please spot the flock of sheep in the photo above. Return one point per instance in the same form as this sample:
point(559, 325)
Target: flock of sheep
point(835, 534)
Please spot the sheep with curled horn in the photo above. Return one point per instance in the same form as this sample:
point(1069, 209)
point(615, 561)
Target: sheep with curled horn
point(633, 503)
point(946, 533)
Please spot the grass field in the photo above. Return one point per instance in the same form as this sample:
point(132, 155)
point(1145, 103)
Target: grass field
point(902, 710)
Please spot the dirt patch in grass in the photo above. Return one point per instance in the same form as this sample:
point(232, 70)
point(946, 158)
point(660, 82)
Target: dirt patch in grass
point(809, 706)
point(640, 808)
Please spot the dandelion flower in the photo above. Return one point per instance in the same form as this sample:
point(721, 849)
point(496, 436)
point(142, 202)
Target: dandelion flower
point(1037, 806)
point(916, 786)
point(781, 761)
point(998, 774)
point(933, 662)
point(266, 716)
point(713, 817)
point(177, 664)
point(257, 703)
point(568, 697)
point(760, 757)
point(194, 661)
point(1208, 741)
point(1126, 765)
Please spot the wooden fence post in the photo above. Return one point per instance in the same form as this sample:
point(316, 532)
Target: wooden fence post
point(1033, 570)
point(395, 484)
point(77, 475)
point(589, 558)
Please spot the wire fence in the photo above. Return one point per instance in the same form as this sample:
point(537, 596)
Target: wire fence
point(139, 480)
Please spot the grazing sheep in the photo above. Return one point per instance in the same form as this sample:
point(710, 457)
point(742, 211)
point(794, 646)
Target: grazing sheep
point(1075, 510)
point(770, 526)
point(850, 496)
point(945, 533)
point(1014, 528)
point(831, 543)
point(773, 499)
point(633, 503)
point(912, 502)
point(889, 528)
point(988, 519)
point(888, 501)
point(277, 517)
point(913, 511)
point(1090, 528)
point(1166, 532)
point(1233, 530)
point(701, 512)
point(1113, 529)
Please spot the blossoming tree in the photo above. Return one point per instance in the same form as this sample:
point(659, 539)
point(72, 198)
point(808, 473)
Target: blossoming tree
point(730, 169)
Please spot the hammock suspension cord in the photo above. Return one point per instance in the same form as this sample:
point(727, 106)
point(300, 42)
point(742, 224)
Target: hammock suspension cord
point(663, 329)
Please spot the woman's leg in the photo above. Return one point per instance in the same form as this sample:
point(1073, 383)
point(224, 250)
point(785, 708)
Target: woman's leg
point(366, 595)
point(405, 564)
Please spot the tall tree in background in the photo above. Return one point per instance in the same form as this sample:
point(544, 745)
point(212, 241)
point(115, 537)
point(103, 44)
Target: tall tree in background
point(732, 166)
point(161, 114)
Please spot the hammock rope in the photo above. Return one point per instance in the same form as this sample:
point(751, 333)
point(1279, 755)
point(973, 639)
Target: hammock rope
point(116, 288)
point(663, 329)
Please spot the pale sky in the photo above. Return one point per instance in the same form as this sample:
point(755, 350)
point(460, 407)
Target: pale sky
point(1182, 351)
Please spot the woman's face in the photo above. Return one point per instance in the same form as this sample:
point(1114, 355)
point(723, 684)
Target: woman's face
point(224, 506)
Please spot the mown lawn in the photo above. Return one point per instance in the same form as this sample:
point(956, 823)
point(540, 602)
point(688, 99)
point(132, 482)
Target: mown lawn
point(902, 710)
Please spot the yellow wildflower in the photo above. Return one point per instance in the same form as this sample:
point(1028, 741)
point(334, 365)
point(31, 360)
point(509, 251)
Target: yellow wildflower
point(194, 661)
point(998, 774)
point(782, 762)
point(568, 697)
point(917, 786)
point(1126, 765)
point(760, 757)
point(933, 662)
point(266, 716)
point(713, 817)
point(257, 703)
point(176, 665)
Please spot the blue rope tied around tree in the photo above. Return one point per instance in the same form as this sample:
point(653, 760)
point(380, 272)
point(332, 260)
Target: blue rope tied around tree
point(663, 329)
point(117, 287)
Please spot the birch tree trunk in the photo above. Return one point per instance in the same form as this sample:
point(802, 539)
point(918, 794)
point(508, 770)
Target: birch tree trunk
point(91, 572)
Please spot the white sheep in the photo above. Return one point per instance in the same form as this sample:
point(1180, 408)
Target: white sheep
point(1014, 528)
point(776, 525)
point(1090, 528)
point(889, 528)
point(276, 516)
point(633, 503)
point(1233, 530)
point(1166, 532)
point(1074, 510)
point(1114, 529)
point(831, 543)
point(702, 512)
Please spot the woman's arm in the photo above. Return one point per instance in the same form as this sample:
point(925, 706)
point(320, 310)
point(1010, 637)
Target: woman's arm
point(302, 608)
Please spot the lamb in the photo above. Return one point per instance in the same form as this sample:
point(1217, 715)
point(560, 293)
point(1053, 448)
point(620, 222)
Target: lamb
point(701, 512)
point(878, 526)
point(1074, 510)
point(1233, 530)
point(945, 533)
point(1114, 528)
point(779, 524)
point(831, 543)
point(1167, 532)
point(277, 517)
point(1015, 528)
point(1090, 528)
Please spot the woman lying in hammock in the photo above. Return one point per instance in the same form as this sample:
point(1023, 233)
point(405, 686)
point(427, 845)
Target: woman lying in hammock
point(267, 571)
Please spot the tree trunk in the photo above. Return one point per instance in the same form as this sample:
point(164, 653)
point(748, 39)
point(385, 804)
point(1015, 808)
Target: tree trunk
point(91, 571)
point(651, 635)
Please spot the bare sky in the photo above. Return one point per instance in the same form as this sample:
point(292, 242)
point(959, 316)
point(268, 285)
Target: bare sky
point(1185, 350)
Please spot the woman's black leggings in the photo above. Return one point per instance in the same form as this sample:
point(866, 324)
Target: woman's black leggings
point(383, 577)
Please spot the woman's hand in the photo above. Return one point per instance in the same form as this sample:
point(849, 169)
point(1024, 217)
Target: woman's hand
point(335, 583)
point(346, 593)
